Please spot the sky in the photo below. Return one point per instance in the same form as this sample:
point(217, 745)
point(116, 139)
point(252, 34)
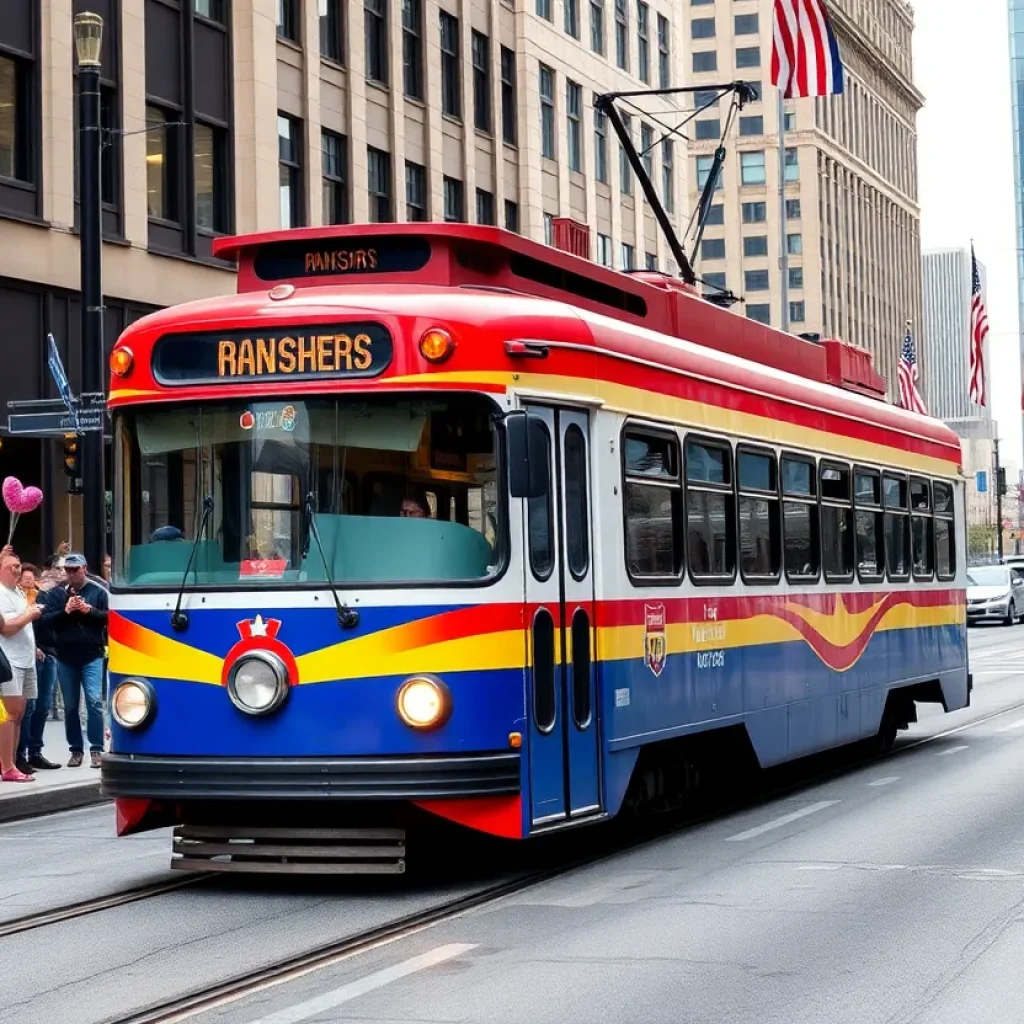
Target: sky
point(965, 160)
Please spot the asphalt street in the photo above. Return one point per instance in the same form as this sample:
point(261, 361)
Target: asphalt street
point(892, 893)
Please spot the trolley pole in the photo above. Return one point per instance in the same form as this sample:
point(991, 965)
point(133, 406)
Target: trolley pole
point(1000, 487)
point(88, 46)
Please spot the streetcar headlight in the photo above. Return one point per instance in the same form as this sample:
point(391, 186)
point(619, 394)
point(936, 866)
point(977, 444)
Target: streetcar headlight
point(133, 703)
point(258, 683)
point(424, 702)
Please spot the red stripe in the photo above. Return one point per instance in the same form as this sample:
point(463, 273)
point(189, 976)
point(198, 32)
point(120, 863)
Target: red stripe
point(782, 32)
point(819, 44)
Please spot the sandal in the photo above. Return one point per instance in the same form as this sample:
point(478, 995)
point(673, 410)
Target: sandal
point(13, 775)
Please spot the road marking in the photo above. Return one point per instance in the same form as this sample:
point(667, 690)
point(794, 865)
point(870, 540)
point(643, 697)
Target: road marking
point(1019, 724)
point(354, 989)
point(952, 750)
point(779, 822)
point(991, 652)
point(886, 781)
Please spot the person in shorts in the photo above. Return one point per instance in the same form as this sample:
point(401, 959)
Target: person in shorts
point(17, 640)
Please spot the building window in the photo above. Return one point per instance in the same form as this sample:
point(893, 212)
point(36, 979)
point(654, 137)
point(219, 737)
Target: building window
point(702, 28)
point(796, 277)
point(484, 207)
point(664, 72)
point(549, 229)
point(705, 98)
point(573, 118)
point(704, 165)
point(797, 312)
point(600, 146)
point(627, 256)
point(604, 249)
point(110, 154)
point(378, 184)
point(625, 171)
point(755, 87)
point(651, 261)
point(792, 209)
point(647, 149)
point(288, 20)
point(571, 12)
point(454, 200)
point(746, 25)
point(755, 245)
point(334, 158)
point(752, 125)
point(451, 98)
point(705, 60)
point(289, 159)
point(748, 57)
point(709, 128)
point(752, 167)
point(792, 165)
point(762, 313)
point(332, 30)
point(481, 82)
point(211, 9)
point(162, 180)
point(715, 216)
point(511, 216)
point(412, 48)
point(375, 17)
point(508, 96)
point(789, 121)
point(715, 280)
point(210, 168)
point(544, 9)
point(597, 26)
point(755, 280)
point(712, 249)
point(547, 112)
point(755, 213)
point(668, 174)
point(643, 41)
point(415, 192)
point(621, 35)
point(795, 245)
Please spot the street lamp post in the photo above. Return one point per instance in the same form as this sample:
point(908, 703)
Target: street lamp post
point(88, 46)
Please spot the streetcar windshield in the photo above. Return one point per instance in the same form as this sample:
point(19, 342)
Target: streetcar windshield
point(404, 490)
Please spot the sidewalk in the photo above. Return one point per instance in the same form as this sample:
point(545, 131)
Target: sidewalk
point(52, 791)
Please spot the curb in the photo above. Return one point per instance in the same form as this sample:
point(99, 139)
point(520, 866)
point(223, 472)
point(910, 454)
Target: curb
point(49, 801)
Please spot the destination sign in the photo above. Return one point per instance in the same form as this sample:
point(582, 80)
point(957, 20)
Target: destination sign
point(341, 257)
point(320, 351)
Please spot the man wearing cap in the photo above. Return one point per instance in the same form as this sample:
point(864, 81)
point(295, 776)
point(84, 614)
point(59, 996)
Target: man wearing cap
point(75, 613)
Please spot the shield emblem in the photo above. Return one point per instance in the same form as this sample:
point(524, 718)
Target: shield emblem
point(655, 645)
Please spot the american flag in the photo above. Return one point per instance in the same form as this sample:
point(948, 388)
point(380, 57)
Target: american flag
point(979, 332)
point(805, 54)
point(906, 375)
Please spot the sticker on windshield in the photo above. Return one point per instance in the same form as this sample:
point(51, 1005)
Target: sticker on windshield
point(247, 421)
point(288, 418)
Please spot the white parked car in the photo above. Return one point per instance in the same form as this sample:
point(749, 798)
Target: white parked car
point(995, 592)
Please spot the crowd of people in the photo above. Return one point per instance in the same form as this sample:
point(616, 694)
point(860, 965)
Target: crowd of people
point(53, 632)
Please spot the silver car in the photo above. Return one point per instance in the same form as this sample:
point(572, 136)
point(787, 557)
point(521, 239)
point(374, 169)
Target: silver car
point(995, 593)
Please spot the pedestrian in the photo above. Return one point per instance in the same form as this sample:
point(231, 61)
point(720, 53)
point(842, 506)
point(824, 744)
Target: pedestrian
point(18, 643)
point(30, 745)
point(75, 613)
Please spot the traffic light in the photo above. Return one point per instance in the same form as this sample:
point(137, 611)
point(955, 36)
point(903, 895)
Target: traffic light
point(1001, 480)
point(72, 456)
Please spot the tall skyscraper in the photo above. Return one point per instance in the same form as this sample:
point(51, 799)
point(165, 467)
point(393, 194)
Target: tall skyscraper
point(1017, 100)
point(851, 210)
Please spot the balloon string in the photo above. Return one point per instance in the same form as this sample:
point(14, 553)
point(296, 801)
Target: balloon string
point(14, 522)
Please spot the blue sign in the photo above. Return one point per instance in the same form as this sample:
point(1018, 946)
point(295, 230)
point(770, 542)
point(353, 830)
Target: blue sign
point(981, 481)
point(60, 378)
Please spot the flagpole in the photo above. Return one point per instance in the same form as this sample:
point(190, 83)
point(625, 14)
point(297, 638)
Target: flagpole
point(783, 249)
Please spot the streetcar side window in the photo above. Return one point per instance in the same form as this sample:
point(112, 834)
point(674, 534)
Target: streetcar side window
point(759, 516)
point(652, 496)
point(945, 534)
point(800, 519)
point(710, 511)
point(870, 521)
point(897, 526)
point(921, 528)
point(540, 526)
point(837, 557)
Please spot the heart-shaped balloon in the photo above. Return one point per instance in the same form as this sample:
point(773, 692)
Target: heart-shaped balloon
point(20, 499)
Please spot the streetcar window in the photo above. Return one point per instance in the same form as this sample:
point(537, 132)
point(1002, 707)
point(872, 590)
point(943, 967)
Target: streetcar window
point(870, 525)
point(801, 549)
point(760, 537)
point(576, 521)
point(543, 662)
point(945, 543)
point(541, 527)
point(897, 527)
point(921, 533)
point(837, 531)
point(653, 501)
point(710, 516)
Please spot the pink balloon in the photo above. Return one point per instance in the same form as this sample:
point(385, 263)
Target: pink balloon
point(31, 499)
point(20, 499)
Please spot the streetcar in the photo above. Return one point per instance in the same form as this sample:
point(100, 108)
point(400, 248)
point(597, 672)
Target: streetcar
point(433, 523)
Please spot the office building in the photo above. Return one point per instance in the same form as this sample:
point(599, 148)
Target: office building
point(851, 211)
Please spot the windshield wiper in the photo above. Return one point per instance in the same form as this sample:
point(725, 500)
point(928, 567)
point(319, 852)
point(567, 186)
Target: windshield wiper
point(179, 619)
point(348, 618)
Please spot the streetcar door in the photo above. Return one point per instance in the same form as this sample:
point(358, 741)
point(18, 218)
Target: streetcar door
point(564, 720)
